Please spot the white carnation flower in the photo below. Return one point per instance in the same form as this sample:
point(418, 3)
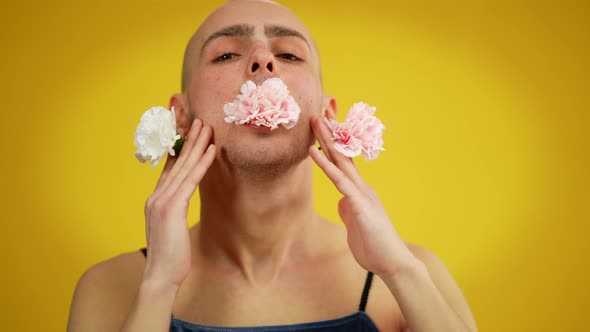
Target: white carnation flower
point(156, 136)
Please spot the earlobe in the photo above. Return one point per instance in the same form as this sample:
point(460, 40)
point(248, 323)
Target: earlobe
point(329, 108)
point(183, 117)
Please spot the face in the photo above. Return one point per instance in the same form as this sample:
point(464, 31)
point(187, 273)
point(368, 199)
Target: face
point(253, 40)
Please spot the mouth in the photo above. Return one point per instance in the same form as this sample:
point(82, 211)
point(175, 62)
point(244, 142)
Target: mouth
point(258, 128)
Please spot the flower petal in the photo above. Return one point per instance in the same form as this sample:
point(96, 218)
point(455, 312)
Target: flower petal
point(155, 135)
point(268, 105)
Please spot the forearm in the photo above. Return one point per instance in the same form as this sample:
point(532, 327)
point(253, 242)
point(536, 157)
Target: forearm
point(421, 303)
point(152, 309)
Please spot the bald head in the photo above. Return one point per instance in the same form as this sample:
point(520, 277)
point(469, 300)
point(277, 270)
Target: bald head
point(240, 19)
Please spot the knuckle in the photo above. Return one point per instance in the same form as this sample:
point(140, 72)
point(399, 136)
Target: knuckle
point(149, 203)
point(150, 200)
point(159, 206)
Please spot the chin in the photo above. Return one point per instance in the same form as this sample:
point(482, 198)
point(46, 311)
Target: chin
point(267, 152)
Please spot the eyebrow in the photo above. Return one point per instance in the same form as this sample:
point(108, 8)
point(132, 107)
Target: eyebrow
point(245, 30)
point(273, 30)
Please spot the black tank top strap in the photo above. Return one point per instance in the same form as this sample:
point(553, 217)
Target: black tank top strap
point(366, 289)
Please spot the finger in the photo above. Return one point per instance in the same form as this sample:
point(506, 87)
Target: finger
point(189, 185)
point(192, 137)
point(195, 154)
point(170, 160)
point(200, 145)
point(340, 180)
point(325, 132)
point(341, 161)
point(323, 140)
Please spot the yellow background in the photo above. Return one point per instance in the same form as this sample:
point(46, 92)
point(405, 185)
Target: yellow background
point(486, 108)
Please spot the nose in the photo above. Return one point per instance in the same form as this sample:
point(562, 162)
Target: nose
point(262, 62)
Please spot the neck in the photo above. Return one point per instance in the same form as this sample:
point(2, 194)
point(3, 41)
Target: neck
point(256, 225)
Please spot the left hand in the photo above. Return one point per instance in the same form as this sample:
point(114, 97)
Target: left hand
point(373, 241)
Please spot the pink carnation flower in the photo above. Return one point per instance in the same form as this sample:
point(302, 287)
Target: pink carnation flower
point(268, 105)
point(361, 132)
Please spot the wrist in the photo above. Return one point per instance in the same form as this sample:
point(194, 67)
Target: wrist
point(158, 289)
point(412, 268)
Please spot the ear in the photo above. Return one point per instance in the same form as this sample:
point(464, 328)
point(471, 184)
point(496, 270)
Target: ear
point(329, 108)
point(184, 117)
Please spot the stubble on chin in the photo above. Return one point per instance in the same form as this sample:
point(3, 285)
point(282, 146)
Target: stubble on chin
point(268, 158)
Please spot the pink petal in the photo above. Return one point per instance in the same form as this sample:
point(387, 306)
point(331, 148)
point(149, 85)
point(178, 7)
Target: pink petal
point(361, 132)
point(268, 105)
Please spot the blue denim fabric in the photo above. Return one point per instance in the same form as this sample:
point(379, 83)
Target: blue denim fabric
point(357, 322)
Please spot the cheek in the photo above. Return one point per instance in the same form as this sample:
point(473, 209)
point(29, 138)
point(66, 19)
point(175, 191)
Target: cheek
point(308, 94)
point(210, 91)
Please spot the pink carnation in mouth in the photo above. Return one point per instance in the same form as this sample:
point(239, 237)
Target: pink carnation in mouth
point(361, 132)
point(268, 105)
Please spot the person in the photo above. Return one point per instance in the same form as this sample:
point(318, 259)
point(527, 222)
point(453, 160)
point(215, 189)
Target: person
point(261, 258)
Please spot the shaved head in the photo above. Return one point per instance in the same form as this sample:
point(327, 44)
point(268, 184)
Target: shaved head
point(203, 35)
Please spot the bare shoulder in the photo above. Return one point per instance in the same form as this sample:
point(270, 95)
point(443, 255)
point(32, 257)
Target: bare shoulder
point(433, 263)
point(425, 255)
point(105, 292)
point(445, 282)
point(381, 305)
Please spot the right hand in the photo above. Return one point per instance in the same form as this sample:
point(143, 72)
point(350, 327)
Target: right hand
point(168, 244)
